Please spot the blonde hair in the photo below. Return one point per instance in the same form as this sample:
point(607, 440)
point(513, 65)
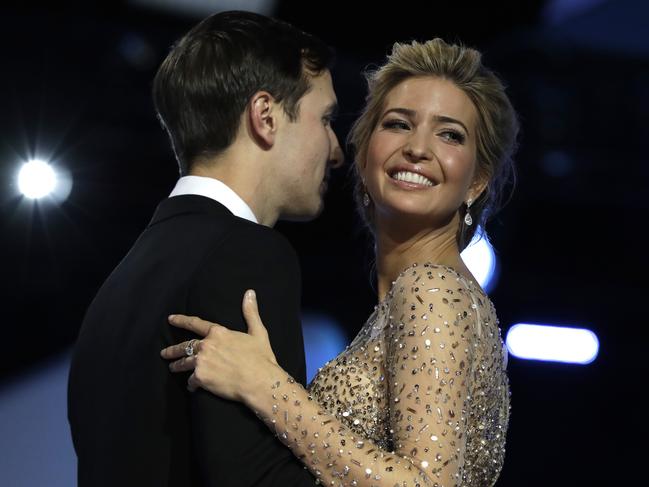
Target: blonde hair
point(497, 124)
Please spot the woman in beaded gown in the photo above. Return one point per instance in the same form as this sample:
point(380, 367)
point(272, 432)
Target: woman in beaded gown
point(420, 396)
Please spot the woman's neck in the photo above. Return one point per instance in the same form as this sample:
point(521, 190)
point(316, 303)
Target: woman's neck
point(397, 248)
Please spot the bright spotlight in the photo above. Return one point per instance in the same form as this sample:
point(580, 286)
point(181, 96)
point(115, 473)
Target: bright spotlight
point(36, 179)
point(480, 258)
point(552, 343)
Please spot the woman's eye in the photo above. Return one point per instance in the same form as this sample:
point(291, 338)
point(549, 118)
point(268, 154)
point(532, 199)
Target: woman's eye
point(395, 124)
point(453, 136)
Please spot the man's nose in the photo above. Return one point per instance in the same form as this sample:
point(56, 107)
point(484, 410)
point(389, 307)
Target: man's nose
point(337, 157)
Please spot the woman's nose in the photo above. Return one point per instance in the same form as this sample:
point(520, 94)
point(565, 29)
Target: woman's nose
point(418, 148)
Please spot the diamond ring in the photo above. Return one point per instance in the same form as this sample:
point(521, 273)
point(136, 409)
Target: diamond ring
point(189, 349)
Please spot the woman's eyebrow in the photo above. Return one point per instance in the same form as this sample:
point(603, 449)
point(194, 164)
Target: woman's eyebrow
point(438, 118)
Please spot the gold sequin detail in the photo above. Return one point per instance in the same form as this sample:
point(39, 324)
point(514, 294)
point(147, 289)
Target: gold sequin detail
point(419, 398)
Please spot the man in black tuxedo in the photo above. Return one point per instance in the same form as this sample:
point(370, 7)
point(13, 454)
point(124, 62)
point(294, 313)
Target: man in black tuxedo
point(247, 102)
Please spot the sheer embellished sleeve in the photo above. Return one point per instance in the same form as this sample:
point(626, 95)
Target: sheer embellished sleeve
point(428, 357)
point(429, 365)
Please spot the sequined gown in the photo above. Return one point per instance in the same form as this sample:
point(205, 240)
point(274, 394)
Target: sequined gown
point(420, 397)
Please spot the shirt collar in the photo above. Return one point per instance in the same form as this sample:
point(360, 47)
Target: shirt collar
point(216, 190)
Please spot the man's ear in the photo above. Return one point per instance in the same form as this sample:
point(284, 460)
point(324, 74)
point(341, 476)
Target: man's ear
point(262, 118)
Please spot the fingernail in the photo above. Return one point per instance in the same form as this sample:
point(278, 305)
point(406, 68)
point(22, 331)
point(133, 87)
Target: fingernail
point(171, 317)
point(250, 294)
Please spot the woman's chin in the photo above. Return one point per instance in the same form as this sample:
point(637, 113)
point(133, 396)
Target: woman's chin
point(413, 217)
point(407, 216)
point(405, 208)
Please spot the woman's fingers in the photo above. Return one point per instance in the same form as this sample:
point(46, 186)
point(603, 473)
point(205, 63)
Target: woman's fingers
point(192, 383)
point(256, 327)
point(251, 314)
point(192, 323)
point(184, 364)
point(180, 350)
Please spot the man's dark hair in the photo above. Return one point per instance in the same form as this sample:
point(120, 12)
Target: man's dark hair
point(201, 89)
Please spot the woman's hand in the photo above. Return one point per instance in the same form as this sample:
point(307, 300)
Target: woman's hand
point(228, 363)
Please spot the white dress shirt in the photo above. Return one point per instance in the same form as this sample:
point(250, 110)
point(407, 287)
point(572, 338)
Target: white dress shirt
point(218, 191)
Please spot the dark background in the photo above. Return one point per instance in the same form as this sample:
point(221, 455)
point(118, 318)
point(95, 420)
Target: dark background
point(75, 85)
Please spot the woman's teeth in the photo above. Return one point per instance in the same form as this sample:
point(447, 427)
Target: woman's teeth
point(411, 177)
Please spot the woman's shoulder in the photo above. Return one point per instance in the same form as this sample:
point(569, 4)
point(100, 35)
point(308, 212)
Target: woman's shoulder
point(436, 276)
point(428, 293)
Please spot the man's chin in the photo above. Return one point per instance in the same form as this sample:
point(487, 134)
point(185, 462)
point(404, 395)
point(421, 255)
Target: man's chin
point(303, 214)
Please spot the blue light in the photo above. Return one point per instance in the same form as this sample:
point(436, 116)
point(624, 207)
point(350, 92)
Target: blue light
point(552, 343)
point(480, 258)
point(35, 443)
point(324, 339)
point(556, 12)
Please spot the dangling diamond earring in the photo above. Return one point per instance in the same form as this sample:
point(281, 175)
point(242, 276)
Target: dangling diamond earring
point(467, 216)
point(366, 197)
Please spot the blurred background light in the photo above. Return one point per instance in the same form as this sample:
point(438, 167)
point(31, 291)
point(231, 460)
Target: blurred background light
point(203, 8)
point(324, 338)
point(480, 258)
point(35, 442)
point(40, 180)
point(552, 343)
point(36, 179)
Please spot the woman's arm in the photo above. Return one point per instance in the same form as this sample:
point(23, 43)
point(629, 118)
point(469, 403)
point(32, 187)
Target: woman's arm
point(427, 390)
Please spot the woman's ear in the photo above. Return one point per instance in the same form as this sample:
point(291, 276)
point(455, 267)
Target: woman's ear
point(480, 183)
point(361, 164)
point(262, 118)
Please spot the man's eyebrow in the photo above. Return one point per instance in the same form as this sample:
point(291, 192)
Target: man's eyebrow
point(438, 118)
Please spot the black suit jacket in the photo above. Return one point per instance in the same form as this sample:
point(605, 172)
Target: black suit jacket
point(132, 421)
